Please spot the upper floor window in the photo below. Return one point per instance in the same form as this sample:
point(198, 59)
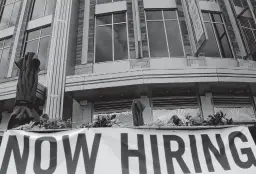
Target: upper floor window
point(247, 26)
point(111, 37)
point(164, 34)
point(9, 13)
point(38, 41)
point(218, 44)
point(5, 45)
point(42, 8)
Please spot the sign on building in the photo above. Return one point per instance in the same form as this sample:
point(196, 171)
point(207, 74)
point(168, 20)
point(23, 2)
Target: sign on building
point(129, 151)
point(197, 25)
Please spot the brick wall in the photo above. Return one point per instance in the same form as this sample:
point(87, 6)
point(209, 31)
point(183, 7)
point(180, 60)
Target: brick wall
point(22, 34)
point(79, 44)
point(184, 29)
point(230, 30)
point(90, 55)
point(131, 29)
point(143, 29)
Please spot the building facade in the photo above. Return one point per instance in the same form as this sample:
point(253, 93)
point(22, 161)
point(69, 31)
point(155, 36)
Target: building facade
point(97, 56)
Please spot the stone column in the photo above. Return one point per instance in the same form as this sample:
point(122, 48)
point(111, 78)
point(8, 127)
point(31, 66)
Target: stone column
point(60, 49)
point(207, 106)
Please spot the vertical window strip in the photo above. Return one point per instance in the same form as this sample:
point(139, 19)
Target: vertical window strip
point(168, 48)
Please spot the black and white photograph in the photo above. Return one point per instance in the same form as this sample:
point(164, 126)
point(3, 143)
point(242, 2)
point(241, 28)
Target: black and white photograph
point(127, 86)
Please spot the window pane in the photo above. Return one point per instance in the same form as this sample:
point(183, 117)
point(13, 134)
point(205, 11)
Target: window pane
point(33, 34)
point(210, 49)
point(46, 31)
point(31, 47)
point(154, 15)
point(244, 21)
point(43, 52)
point(174, 38)
point(4, 62)
point(216, 18)
point(226, 47)
point(120, 42)
point(50, 7)
point(103, 44)
point(10, 1)
point(219, 29)
point(1, 43)
point(102, 20)
point(168, 14)
point(7, 42)
point(103, 1)
point(38, 10)
point(119, 17)
point(15, 13)
point(206, 16)
point(249, 39)
point(6, 17)
point(157, 39)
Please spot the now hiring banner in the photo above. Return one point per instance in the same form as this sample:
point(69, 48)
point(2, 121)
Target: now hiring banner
point(129, 151)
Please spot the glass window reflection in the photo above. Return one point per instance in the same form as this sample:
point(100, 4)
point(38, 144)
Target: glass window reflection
point(5, 45)
point(42, 8)
point(217, 44)
point(38, 41)
point(164, 35)
point(9, 16)
point(111, 41)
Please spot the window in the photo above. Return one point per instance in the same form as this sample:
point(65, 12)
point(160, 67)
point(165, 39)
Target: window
point(42, 8)
point(164, 34)
point(37, 41)
point(5, 45)
point(166, 107)
point(111, 37)
point(239, 108)
point(247, 26)
point(121, 110)
point(218, 44)
point(9, 13)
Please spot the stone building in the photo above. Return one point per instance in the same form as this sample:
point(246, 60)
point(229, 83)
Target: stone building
point(97, 56)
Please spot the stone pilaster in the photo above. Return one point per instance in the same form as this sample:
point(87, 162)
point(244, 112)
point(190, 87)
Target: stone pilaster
point(58, 56)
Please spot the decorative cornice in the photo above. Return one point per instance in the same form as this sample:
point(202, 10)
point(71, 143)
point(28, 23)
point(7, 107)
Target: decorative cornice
point(154, 76)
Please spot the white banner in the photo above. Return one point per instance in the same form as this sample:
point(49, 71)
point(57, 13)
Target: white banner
point(129, 151)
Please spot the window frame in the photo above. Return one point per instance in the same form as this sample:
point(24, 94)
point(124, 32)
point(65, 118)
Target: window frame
point(218, 40)
point(165, 30)
point(241, 28)
point(2, 7)
point(33, 8)
point(38, 38)
point(112, 32)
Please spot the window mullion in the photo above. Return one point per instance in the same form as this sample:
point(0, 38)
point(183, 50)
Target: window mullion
point(166, 37)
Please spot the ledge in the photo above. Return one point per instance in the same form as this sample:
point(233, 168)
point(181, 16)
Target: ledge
point(8, 88)
point(158, 76)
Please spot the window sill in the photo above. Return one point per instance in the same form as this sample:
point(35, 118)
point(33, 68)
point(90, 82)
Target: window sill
point(40, 22)
point(7, 32)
